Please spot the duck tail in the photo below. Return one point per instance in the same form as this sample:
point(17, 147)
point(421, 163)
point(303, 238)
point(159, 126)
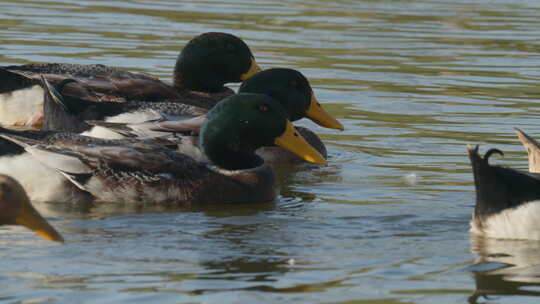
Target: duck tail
point(52, 94)
point(533, 150)
point(8, 147)
point(499, 188)
point(491, 192)
point(11, 81)
point(13, 142)
point(59, 111)
point(25, 138)
point(20, 140)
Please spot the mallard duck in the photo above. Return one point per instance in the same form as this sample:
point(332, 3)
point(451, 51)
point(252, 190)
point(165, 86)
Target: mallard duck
point(16, 209)
point(293, 91)
point(17, 162)
point(233, 130)
point(206, 63)
point(507, 200)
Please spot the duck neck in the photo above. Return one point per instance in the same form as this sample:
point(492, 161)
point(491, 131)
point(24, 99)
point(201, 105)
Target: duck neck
point(232, 159)
point(180, 83)
point(183, 83)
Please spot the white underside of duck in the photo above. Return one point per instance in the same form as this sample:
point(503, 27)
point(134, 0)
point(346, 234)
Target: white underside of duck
point(522, 222)
point(40, 182)
point(22, 107)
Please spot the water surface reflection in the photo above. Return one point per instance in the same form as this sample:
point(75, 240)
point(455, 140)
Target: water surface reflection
point(505, 267)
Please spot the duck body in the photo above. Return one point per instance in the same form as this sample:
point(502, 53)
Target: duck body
point(96, 82)
point(161, 176)
point(71, 114)
point(17, 162)
point(507, 200)
point(204, 66)
point(22, 103)
point(232, 132)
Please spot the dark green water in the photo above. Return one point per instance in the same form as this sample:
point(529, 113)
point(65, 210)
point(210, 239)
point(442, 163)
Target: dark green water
point(387, 222)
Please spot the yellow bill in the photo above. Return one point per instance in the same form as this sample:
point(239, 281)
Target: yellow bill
point(319, 115)
point(253, 69)
point(31, 219)
point(292, 141)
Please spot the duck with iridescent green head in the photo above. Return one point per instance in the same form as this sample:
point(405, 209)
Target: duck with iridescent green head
point(204, 66)
point(232, 131)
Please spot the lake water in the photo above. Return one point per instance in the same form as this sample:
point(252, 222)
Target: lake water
point(386, 222)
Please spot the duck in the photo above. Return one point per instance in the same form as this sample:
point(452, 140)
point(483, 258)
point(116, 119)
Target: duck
point(16, 209)
point(16, 161)
point(203, 67)
point(507, 200)
point(233, 130)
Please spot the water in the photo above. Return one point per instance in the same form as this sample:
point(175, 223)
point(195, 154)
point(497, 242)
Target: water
point(387, 222)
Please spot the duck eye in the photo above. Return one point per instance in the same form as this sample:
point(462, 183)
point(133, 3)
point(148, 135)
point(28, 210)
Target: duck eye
point(263, 108)
point(231, 47)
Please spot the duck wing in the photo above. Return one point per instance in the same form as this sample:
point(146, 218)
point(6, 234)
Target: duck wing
point(153, 175)
point(26, 138)
point(125, 174)
point(154, 128)
point(98, 82)
point(68, 113)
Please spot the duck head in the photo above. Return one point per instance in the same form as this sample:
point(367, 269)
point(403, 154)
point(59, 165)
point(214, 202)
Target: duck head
point(211, 60)
point(240, 124)
point(15, 209)
point(292, 90)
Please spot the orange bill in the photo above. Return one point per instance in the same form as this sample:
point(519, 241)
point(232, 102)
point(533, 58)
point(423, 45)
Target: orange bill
point(292, 141)
point(319, 115)
point(31, 219)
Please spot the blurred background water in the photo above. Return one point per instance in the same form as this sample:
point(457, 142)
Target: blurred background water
point(387, 222)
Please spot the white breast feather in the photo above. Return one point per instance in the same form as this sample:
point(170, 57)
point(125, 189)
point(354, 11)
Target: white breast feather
point(21, 107)
point(40, 182)
point(522, 222)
